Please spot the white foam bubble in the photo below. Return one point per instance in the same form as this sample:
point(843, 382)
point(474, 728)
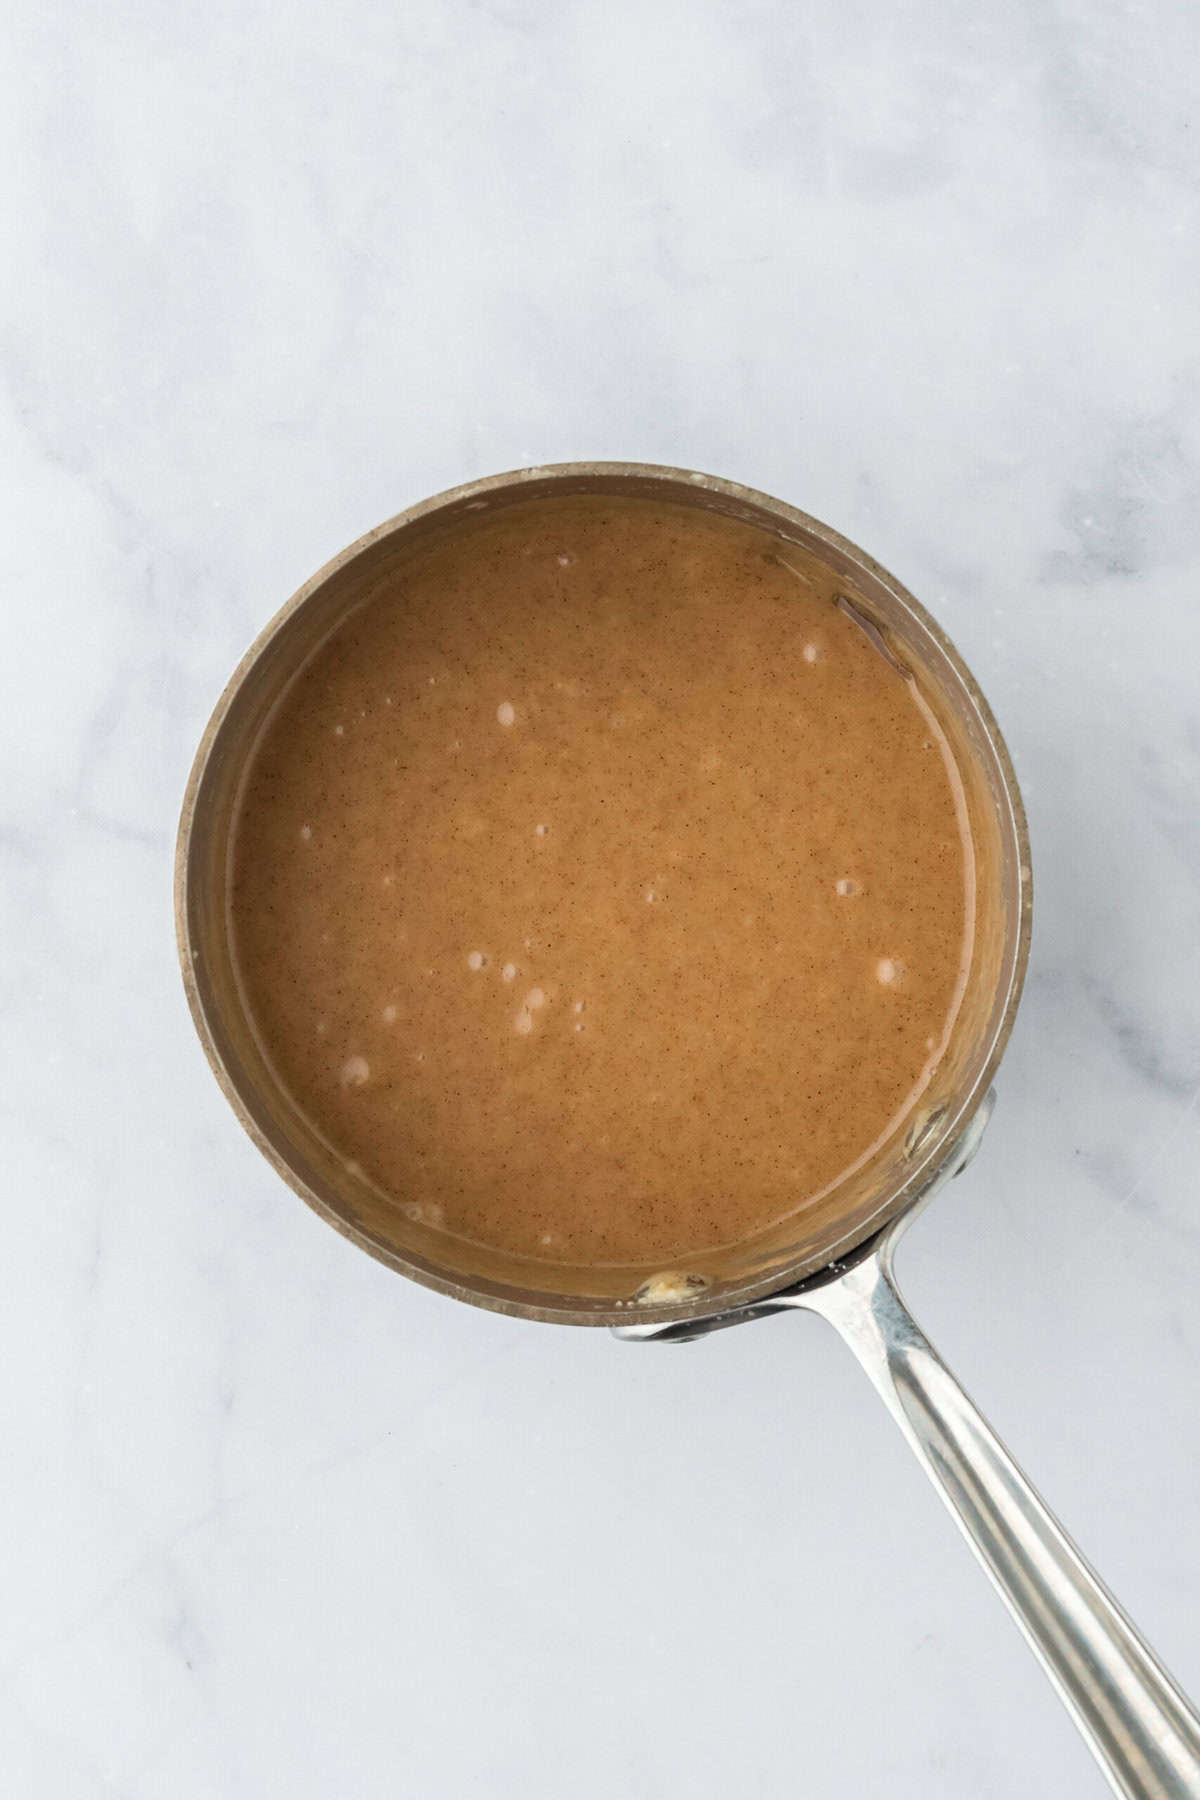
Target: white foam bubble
point(534, 998)
point(339, 731)
point(846, 886)
point(423, 1213)
point(476, 960)
point(509, 972)
point(540, 830)
point(579, 1006)
point(564, 562)
point(810, 653)
point(506, 712)
point(888, 970)
point(389, 1015)
point(355, 1071)
point(523, 1023)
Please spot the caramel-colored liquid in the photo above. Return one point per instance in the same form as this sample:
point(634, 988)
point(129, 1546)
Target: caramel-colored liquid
point(600, 891)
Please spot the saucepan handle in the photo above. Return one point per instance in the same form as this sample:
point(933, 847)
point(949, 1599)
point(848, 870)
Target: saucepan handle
point(1137, 1723)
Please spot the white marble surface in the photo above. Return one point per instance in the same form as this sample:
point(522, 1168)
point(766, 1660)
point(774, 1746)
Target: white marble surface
point(272, 1521)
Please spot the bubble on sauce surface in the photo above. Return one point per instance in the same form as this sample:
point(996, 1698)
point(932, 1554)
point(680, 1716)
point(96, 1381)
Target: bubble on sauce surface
point(523, 1023)
point(339, 731)
point(355, 1071)
point(509, 972)
point(424, 1212)
point(846, 886)
point(540, 830)
point(506, 712)
point(889, 970)
point(389, 1015)
point(810, 653)
point(476, 960)
point(306, 832)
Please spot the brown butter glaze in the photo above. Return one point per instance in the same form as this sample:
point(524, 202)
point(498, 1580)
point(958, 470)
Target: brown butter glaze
point(598, 889)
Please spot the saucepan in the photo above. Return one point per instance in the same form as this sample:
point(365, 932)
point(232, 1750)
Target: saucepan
point(833, 1257)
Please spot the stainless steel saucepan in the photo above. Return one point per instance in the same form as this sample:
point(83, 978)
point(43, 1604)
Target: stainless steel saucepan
point(834, 1257)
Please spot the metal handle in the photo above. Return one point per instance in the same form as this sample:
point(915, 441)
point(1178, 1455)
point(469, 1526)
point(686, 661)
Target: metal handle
point(1138, 1725)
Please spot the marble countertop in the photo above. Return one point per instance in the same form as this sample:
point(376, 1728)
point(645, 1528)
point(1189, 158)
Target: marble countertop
point(272, 1520)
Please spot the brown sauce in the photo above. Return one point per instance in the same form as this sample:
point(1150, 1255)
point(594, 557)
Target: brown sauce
point(599, 890)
